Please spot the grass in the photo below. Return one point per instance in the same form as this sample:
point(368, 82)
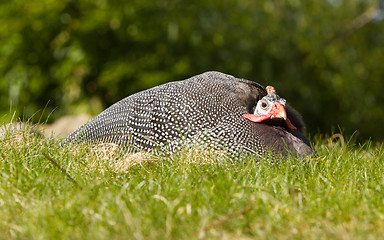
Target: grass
point(337, 195)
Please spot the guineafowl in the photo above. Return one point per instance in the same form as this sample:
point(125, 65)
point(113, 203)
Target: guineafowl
point(211, 109)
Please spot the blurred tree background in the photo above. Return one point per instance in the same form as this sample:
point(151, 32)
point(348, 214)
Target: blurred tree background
point(326, 57)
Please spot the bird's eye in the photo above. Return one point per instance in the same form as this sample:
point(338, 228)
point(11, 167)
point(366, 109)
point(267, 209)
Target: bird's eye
point(264, 105)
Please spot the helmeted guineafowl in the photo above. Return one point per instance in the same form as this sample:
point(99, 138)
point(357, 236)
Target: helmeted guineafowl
point(210, 109)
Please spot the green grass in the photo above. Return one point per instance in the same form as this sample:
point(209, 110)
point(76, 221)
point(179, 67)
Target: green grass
point(337, 195)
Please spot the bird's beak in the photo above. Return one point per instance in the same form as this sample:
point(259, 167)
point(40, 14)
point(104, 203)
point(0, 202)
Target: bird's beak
point(277, 112)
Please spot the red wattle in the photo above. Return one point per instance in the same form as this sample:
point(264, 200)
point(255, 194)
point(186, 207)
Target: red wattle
point(256, 118)
point(290, 125)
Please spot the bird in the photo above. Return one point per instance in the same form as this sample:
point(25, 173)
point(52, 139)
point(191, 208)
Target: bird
point(212, 109)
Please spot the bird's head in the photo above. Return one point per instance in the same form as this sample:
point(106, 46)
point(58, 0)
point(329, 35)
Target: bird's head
point(270, 109)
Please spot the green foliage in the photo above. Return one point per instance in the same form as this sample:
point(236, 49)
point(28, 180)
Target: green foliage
point(85, 55)
point(337, 195)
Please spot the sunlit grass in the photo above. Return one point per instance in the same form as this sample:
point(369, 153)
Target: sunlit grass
point(189, 195)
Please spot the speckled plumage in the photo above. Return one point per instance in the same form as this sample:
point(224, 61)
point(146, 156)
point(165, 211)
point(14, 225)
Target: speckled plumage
point(205, 109)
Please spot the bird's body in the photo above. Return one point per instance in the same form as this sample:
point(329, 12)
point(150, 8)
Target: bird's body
point(206, 109)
